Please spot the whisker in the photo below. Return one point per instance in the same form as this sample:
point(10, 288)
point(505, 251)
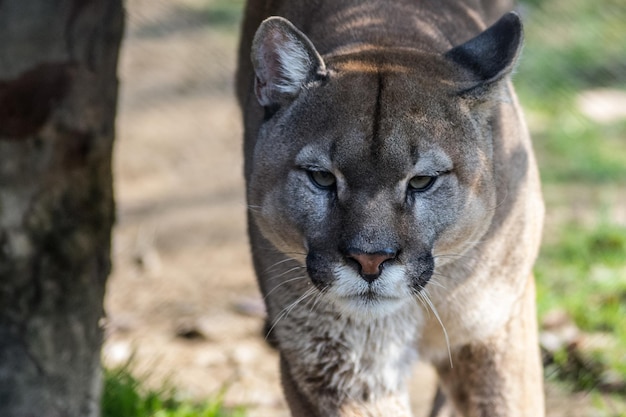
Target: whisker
point(291, 253)
point(455, 255)
point(504, 199)
point(438, 276)
point(307, 293)
point(285, 312)
point(445, 332)
point(312, 301)
point(295, 268)
point(316, 301)
point(278, 263)
point(433, 281)
point(443, 328)
point(419, 296)
point(269, 249)
point(283, 283)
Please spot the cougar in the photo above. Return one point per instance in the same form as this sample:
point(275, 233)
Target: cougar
point(394, 205)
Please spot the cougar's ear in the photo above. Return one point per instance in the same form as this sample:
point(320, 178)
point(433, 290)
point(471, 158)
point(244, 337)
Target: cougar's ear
point(491, 55)
point(284, 61)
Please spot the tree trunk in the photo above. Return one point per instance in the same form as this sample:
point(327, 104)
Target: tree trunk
point(58, 93)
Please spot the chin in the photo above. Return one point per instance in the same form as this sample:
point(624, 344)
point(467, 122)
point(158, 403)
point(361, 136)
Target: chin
point(368, 308)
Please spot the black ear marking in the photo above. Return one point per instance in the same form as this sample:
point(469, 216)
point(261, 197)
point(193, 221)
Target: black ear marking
point(492, 54)
point(284, 61)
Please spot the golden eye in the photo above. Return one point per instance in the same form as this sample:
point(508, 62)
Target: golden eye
point(322, 179)
point(421, 183)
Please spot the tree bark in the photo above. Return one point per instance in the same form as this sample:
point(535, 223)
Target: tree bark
point(58, 93)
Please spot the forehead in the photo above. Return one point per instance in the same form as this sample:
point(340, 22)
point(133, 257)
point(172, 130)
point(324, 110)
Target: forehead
point(386, 115)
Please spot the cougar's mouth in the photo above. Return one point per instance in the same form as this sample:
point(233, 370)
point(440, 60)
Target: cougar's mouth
point(354, 295)
point(370, 296)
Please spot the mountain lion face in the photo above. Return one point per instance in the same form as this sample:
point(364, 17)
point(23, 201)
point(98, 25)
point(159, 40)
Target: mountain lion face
point(373, 167)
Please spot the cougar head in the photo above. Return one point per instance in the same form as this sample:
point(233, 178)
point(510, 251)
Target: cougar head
point(375, 166)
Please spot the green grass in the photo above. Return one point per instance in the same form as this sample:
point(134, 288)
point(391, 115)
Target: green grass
point(125, 396)
point(584, 273)
point(574, 149)
point(224, 12)
point(572, 46)
point(219, 14)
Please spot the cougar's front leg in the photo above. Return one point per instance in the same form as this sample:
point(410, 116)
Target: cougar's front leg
point(501, 376)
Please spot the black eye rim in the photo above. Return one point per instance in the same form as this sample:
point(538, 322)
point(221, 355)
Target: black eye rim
point(432, 180)
point(311, 174)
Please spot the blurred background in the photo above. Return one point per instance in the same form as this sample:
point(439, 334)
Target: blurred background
point(183, 327)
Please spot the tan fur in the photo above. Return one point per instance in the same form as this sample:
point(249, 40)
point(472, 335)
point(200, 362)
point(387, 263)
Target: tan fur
point(347, 104)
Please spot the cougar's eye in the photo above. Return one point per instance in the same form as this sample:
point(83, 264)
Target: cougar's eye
point(322, 179)
point(421, 183)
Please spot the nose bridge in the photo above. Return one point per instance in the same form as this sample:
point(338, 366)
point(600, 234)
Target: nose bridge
point(369, 224)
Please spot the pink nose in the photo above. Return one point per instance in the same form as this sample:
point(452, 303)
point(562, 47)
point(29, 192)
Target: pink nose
point(370, 263)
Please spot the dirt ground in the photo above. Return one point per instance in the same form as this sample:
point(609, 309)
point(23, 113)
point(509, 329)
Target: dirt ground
point(182, 300)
